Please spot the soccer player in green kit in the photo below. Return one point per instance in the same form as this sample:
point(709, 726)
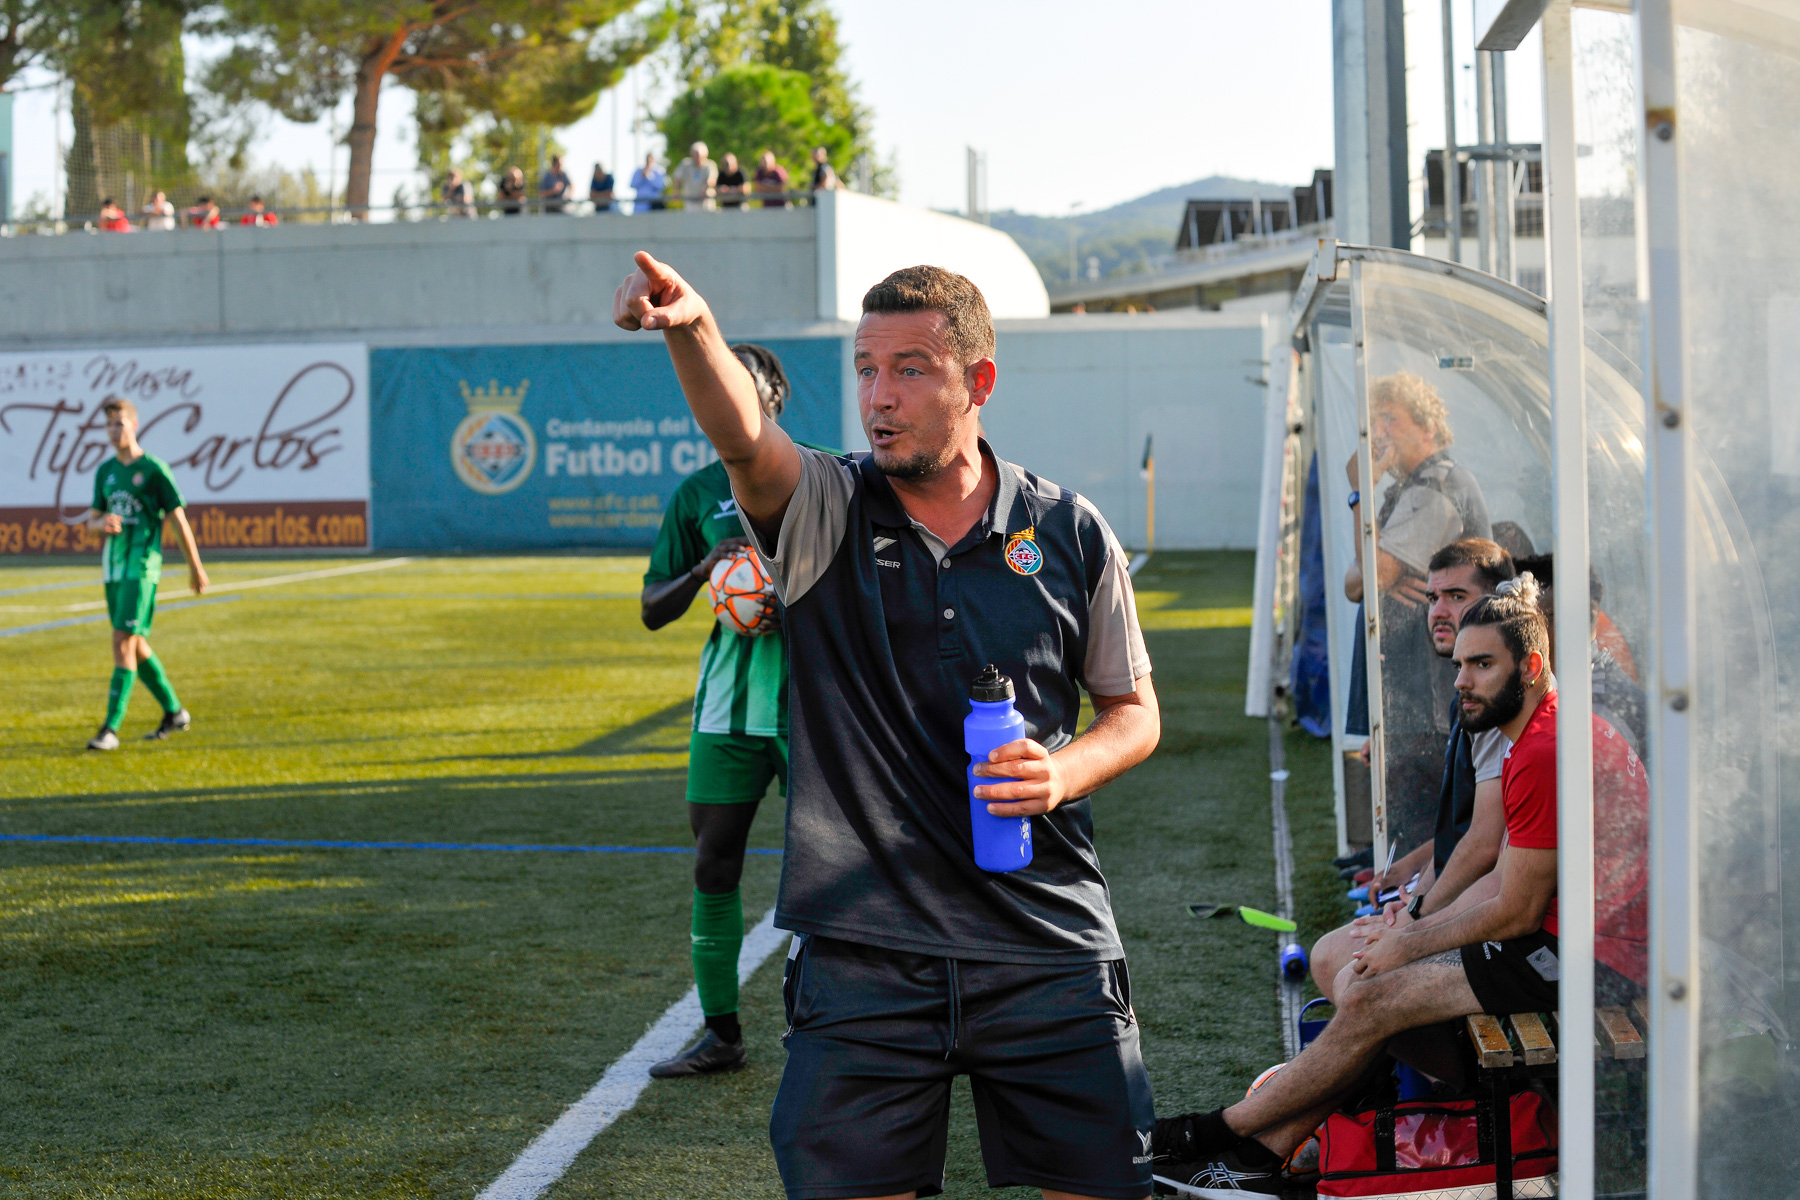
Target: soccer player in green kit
point(134, 493)
point(739, 740)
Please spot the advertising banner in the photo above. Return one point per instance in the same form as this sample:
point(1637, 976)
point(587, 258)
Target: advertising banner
point(521, 447)
point(269, 443)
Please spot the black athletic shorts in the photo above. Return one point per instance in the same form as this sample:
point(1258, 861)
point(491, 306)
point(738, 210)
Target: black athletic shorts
point(1516, 975)
point(876, 1036)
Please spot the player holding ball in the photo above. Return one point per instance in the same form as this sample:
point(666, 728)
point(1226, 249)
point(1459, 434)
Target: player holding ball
point(739, 741)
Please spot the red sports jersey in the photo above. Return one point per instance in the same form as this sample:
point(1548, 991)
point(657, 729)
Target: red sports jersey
point(1621, 817)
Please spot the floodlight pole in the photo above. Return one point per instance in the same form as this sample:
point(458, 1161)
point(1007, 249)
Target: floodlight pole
point(1569, 505)
point(1484, 165)
point(1674, 992)
point(1452, 167)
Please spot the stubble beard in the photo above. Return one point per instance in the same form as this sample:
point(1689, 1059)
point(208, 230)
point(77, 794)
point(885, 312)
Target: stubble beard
point(914, 468)
point(1499, 708)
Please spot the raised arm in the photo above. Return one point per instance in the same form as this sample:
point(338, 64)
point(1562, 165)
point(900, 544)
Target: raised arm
point(763, 464)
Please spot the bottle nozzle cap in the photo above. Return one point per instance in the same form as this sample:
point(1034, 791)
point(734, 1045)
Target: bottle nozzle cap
point(991, 687)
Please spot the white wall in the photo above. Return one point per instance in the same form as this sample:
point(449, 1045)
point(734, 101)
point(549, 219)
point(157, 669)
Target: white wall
point(864, 239)
point(1078, 394)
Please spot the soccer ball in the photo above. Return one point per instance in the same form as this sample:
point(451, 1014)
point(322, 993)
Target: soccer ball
point(742, 593)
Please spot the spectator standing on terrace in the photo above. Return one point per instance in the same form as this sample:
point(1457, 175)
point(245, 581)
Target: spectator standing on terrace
point(159, 214)
point(731, 182)
point(113, 218)
point(647, 184)
point(204, 214)
point(696, 178)
point(458, 195)
point(511, 191)
point(771, 181)
point(258, 215)
point(554, 187)
point(600, 189)
point(824, 179)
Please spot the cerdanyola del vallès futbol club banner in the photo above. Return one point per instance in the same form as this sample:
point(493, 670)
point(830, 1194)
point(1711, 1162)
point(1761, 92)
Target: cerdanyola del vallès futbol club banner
point(269, 444)
point(523, 447)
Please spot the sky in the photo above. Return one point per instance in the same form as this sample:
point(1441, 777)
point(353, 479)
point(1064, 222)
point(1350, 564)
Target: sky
point(1075, 110)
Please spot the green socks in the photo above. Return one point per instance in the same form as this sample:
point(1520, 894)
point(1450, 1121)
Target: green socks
point(118, 696)
point(718, 937)
point(150, 670)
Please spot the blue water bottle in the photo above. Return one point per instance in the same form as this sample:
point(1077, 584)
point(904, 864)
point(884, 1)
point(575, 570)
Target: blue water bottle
point(1001, 843)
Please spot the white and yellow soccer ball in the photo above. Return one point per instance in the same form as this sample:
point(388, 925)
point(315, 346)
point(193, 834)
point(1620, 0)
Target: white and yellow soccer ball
point(743, 593)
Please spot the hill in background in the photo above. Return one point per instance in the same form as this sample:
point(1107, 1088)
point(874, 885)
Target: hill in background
point(1126, 237)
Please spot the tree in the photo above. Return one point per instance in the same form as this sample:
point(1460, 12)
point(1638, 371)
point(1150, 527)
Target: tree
point(715, 36)
point(532, 60)
point(749, 109)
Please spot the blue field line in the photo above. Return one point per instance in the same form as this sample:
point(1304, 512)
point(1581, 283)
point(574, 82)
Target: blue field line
point(90, 618)
point(98, 839)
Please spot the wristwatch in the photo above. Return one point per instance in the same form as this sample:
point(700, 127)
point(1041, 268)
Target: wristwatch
point(1355, 497)
point(1416, 909)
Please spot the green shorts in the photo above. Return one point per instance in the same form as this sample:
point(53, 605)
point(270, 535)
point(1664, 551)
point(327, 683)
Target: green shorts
point(131, 603)
point(734, 768)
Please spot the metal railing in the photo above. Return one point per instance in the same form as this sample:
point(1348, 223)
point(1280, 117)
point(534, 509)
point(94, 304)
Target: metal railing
point(191, 219)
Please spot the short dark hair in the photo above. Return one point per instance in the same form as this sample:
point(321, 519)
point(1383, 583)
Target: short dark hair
point(1493, 563)
point(772, 387)
point(968, 325)
point(119, 404)
point(1514, 609)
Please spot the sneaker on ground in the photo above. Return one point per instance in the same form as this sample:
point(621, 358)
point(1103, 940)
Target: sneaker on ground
point(1221, 1175)
point(175, 722)
point(707, 1056)
point(106, 739)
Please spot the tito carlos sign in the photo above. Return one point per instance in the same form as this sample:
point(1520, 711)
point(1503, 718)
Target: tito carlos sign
point(522, 447)
point(270, 444)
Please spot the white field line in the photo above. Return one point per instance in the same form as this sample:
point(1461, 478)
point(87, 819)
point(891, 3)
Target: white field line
point(16, 630)
point(1137, 562)
point(268, 581)
point(550, 1154)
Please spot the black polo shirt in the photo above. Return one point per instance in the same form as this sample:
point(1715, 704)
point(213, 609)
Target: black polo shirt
point(887, 627)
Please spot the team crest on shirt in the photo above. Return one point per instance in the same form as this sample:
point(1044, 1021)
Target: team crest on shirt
point(137, 480)
point(1022, 553)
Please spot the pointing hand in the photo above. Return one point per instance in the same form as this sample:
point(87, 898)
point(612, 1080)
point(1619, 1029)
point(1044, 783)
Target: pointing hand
point(655, 297)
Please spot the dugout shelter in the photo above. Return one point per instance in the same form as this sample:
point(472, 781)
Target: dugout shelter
point(1662, 463)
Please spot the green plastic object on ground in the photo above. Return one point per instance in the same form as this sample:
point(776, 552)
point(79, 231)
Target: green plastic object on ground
point(1251, 916)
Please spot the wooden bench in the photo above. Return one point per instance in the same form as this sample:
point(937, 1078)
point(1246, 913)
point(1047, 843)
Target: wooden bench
point(1518, 1050)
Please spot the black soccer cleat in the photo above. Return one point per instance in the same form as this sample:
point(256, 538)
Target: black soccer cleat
point(175, 722)
point(1222, 1174)
point(1185, 1139)
point(106, 739)
point(708, 1056)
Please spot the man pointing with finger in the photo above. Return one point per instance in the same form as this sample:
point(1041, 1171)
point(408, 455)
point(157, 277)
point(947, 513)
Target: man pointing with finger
point(903, 572)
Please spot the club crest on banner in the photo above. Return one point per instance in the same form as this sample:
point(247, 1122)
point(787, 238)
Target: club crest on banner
point(1022, 553)
point(493, 449)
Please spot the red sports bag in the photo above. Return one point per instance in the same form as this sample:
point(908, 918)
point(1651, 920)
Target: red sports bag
point(1443, 1150)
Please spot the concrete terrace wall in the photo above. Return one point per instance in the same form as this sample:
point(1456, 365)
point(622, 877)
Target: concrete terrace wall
point(1077, 396)
point(546, 272)
point(534, 278)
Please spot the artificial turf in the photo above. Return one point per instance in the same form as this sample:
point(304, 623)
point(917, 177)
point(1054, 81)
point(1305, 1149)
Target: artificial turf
point(252, 1021)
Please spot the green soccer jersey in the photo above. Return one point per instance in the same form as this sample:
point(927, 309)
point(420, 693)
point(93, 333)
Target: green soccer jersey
point(743, 680)
point(142, 495)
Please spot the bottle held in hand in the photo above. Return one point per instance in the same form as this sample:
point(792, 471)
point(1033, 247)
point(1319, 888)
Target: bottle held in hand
point(1001, 843)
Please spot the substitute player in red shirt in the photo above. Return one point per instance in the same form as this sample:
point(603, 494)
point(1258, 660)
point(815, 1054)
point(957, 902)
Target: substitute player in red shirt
point(1494, 949)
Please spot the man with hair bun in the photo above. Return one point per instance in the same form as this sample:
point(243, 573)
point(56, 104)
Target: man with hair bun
point(905, 572)
point(1492, 950)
